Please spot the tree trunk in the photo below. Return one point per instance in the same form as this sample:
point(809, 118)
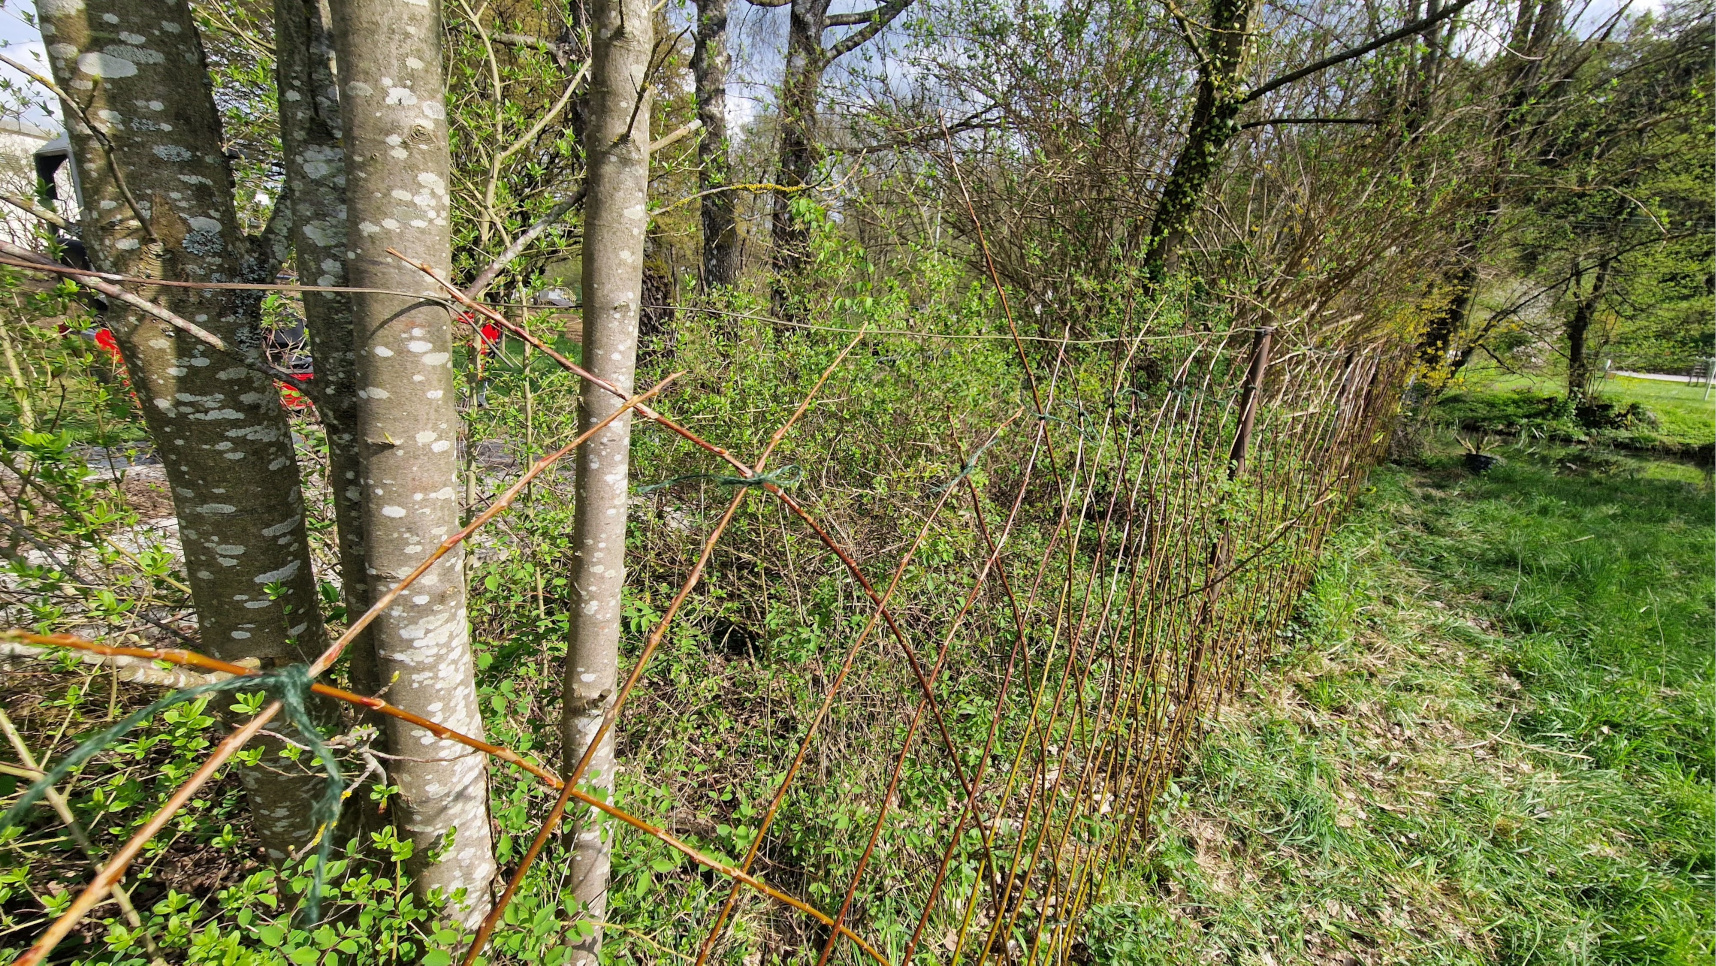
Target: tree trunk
point(1579, 372)
point(616, 148)
point(1213, 125)
point(709, 64)
point(315, 166)
point(1461, 288)
point(1536, 26)
point(392, 97)
point(158, 203)
point(805, 62)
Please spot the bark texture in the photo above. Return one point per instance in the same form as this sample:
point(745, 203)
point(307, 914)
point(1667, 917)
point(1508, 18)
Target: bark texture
point(1214, 123)
point(158, 203)
point(805, 63)
point(315, 162)
point(710, 62)
point(392, 106)
point(616, 148)
point(1579, 369)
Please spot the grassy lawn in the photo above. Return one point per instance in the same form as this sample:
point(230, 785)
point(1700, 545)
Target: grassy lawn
point(1492, 744)
point(1683, 418)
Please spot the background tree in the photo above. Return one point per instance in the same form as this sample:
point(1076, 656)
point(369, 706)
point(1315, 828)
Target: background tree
point(809, 53)
point(1615, 199)
point(314, 189)
point(710, 61)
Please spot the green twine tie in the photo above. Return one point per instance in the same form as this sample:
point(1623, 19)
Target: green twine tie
point(291, 686)
point(969, 467)
point(785, 477)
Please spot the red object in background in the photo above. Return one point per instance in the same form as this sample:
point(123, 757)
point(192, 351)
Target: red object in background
point(104, 338)
point(291, 394)
point(488, 337)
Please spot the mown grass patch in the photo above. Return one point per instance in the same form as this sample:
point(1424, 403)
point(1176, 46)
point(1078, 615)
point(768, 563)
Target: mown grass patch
point(1647, 414)
point(1492, 746)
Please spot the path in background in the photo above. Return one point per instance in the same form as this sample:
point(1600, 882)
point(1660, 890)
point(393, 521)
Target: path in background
point(1660, 377)
point(1492, 743)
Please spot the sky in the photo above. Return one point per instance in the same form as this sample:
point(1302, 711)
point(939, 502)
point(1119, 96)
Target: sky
point(22, 42)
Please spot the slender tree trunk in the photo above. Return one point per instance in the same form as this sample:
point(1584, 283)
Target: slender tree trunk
point(805, 63)
point(1460, 288)
point(709, 64)
point(616, 148)
point(1536, 27)
point(158, 203)
point(1213, 125)
point(392, 106)
point(1578, 331)
point(315, 162)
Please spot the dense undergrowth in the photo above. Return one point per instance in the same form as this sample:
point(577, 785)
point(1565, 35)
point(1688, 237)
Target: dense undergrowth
point(1490, 744)
point(932, 392)
point(726, 700)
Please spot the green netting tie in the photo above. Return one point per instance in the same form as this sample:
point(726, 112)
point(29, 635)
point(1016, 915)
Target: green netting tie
point(966, 470)
point(1078, 427)
point(785, 477)
point(291, 686)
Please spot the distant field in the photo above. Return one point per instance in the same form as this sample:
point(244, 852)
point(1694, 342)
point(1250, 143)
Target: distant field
point(1686, 418)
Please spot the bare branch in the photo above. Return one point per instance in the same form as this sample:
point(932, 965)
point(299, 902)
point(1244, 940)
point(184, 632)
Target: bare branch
point(1415, 27)
point(1308, 120)
point(24, 258)
point(31, 208)
point(487, 276)
point(880, 18)
point(679, 134)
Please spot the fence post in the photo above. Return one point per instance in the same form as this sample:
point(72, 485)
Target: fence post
point(1248, 402)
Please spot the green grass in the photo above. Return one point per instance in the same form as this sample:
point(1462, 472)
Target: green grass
point(1493, 744)
point(1489, 396)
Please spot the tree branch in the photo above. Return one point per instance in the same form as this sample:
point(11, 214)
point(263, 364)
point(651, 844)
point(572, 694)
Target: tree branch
point(1415, 27)
point(850, 19)
point(487, 276)
point(31, 208)
point(678, 134)
point(24, 258)
point(879, 18)
point(975, 121)
point(1308, 120)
